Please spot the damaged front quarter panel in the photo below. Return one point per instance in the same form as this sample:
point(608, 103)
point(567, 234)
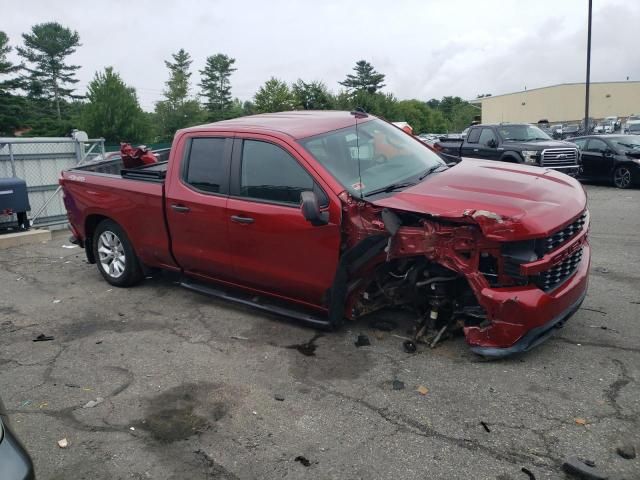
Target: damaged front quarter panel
point(450, 270)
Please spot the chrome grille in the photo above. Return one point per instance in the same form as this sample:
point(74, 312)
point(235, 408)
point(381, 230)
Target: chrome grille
point(558, 238)
point(559, 157)
point(559, 273)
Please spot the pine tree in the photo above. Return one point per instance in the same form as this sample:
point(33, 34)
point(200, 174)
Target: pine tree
point(179, 76)
point(216, 87)
point(366, 78)
point(10, 104)
point(46, 49)
point(273, 96)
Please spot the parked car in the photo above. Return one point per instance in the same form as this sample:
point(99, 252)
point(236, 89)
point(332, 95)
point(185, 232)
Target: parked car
point(634, 129)
point(15, 463)
point(556, 131)
point(570, 130)
point(605, 127)
point(613, 158)
point(327, 216)
point(632, 120)
point(514, 143)
point(615, 120)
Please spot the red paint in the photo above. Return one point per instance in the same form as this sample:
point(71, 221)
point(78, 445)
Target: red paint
point(468, 209)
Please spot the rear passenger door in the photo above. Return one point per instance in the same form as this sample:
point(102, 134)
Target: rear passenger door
point(274, 249)
point(597, 163)
point(488, 144)
point(196, 207)
point(470, 146)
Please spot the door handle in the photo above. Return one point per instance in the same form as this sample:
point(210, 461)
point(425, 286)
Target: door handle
point(240, 219)
point(475, 149)
point(180, 208)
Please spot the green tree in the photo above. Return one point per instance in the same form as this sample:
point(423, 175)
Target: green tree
point(46, 48)
point(178, 110)
point(273, 96)
point(420, 116)
point(458, 114)
point(312, 96)
point(113, 111)
point(380, 104)
point(365, 79)
point(216, 86)
point(10, 104)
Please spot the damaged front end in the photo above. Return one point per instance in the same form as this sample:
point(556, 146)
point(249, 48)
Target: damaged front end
point(461, 272)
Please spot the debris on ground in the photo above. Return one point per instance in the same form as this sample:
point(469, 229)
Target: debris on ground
point(57, 300)
point(26, 403)
point(581, 469)
point(98, 342)
point(626, 451)
point(528, 472)
point(132, 429)
point(308, 349)
point(580, 421)
point(485, 426)
point(43, 338)
point(238, 337)
point(304, 461)
point(397, 385)
point(409, 346)
point(93, 403)
point(71, 385)
point(279, 397)
point(422, 390)
point(69, 246)
point(601, 269)
point(362, 341)
point(378, 334)
point(63, 443)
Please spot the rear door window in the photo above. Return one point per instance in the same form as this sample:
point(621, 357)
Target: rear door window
point(486, 136)
point(596, 145)
point(474, 135)
point(207, 168)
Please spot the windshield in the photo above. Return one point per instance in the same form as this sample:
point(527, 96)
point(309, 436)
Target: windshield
point(627, 142)
point(522, 133)
point(387, 156)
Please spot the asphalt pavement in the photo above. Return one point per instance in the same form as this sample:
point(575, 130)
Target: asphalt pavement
point(189, 387)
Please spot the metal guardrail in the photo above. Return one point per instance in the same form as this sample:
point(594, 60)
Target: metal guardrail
point(39, 162)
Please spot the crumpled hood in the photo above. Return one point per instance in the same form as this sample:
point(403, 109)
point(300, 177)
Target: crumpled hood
point(508, 201)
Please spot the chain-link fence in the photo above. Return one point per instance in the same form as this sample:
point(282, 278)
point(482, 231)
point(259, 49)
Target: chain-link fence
point(39, 161)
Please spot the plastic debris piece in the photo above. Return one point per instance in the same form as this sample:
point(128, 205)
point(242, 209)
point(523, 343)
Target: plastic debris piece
point(486, 427)
point(69, 246)
point(43, 338)
point(626, 451)
point(409, 346)
point(63, 443)
point(422, 390)
point(397, 385)
point(528, 472)
point(576, 467)
point(238, 337)
point(57, 300)
point(362, 341)
point(132, 428)
point(279, 397)
point(580, 421)
point(93, 403)
point(304, 461)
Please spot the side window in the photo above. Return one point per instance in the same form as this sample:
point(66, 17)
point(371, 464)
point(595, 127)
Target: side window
point(474, 135)
point(206, 167)
point(580, 142)
point(486, 136)
point(270, 173)
point(596, 145)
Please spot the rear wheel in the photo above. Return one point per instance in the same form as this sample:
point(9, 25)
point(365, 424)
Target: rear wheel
point(622, 177)
point(115, 258)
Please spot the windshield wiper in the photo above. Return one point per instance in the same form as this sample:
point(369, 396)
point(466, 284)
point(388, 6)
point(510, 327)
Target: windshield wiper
point(429, 171)
point(390, 188)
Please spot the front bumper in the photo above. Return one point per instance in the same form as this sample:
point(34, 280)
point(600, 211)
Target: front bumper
point(523, 317)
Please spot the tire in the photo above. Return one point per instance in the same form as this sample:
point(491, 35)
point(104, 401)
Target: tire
point(115, 258)
point(622, 177)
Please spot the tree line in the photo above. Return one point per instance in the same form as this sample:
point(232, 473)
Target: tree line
point(38, 96)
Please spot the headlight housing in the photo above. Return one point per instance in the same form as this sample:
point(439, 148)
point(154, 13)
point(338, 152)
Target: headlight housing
point(530, 157)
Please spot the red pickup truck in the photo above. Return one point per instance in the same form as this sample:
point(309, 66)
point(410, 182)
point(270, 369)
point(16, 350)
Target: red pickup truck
point(328, 216)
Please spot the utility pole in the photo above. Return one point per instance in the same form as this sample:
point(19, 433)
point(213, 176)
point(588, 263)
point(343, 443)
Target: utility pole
point(586, 98)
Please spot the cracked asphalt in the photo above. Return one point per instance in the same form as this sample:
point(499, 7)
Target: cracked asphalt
point(190, 383)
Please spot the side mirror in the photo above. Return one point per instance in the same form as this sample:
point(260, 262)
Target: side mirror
point(492, 143)
point(310, 209)
point(607, 153)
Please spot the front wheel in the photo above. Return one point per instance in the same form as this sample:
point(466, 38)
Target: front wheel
point(622, 177)
point(116, 260)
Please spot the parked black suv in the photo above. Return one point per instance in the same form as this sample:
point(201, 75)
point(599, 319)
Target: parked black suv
point(515, 143)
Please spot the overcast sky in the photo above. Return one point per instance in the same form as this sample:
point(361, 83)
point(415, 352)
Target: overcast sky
point(427, 48)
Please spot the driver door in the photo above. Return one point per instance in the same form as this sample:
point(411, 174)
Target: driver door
point(273, 248)
point(596, 159)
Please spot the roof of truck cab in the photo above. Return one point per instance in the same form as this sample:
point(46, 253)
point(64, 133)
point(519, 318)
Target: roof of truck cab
point(296, 124)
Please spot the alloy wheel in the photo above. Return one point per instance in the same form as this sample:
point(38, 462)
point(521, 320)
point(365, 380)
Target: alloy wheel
point(111, 253)
point(622, 177)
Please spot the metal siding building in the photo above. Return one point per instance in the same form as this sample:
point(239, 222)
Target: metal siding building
point(562, 103)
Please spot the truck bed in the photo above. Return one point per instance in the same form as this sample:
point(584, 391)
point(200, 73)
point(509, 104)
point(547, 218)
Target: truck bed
point(114, 166)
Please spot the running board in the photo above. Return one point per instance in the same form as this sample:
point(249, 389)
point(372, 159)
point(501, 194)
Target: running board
point(311, 320)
